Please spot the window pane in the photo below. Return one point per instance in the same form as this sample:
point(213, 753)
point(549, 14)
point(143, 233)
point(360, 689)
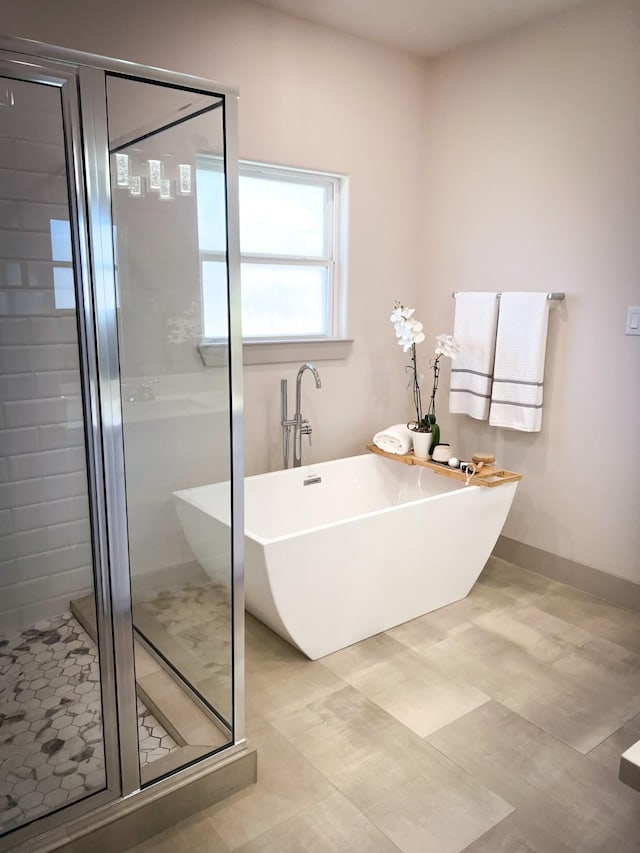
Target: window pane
point(211, 211)
point(278, 301)
point(214, 299)
point(282, 218)
point(64, 288)
point(60, 240)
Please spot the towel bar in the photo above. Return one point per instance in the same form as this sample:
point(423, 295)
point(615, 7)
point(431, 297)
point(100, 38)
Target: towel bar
point(558, 296)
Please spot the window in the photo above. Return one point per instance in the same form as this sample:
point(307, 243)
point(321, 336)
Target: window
point(289, 226)
point(63, 280)
point(64, 288)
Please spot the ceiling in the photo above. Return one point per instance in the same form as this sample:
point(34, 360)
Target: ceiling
point(424, 27)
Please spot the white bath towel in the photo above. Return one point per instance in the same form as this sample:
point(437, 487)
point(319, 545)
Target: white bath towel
point(516, 397)
point(474, 329)
point(394, 439)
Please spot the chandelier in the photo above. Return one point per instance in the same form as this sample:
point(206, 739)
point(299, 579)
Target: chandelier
point(154, 176)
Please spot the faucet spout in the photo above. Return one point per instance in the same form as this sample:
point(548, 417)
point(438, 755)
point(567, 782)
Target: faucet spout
point(308, 366)
point(316, 376)
point(301, 426)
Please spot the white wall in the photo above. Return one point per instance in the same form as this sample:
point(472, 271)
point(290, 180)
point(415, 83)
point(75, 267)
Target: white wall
point(530, 141)
point(535, 185)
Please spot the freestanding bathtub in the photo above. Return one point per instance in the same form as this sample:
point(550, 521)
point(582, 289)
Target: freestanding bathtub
point(343, 550)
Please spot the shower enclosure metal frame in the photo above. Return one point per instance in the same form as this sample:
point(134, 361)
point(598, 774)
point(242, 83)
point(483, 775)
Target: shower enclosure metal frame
point(81, 79)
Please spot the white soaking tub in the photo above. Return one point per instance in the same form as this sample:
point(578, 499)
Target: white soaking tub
point(343, 550)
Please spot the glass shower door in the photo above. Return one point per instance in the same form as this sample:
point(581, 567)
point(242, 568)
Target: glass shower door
point(176, 412)
point(52, 750)
point(93, 377)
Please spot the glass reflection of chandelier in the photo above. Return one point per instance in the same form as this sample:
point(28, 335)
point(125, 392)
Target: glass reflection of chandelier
point(7, 97)
point(152, 178)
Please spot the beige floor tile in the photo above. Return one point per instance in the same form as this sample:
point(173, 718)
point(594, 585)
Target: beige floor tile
point(279, 678)
point(602, 694)
point(591, 687)
point(267, 648)
point(575, 798)
point(599, 617)
point(287, 783)
point(280, 694)
point(351, 740)
point(538, 634)
point(421, 633)
point(434, 812)
point(609, 751)
point(433, 627)
point(576, 714)
point(196, 834)
point(333, 825)
point(533, 831)
point(409, 790)
point(483, 658)
point(515, 582)
point(566, 696)
point(400, 682)
point(609, 665)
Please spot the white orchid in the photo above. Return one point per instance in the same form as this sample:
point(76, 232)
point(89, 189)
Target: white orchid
point(409, 333)
point(400, 313)
point(447, 345)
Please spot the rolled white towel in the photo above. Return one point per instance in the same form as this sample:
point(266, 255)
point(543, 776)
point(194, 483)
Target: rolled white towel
point(394, 439)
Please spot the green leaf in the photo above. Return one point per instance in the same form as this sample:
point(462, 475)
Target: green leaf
point(435, 432)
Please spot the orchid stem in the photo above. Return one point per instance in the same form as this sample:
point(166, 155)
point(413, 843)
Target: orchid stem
point(436, 376)
point(417, 400)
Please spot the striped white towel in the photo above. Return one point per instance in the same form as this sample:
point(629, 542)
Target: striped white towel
point(516, 397)
point(474, 329)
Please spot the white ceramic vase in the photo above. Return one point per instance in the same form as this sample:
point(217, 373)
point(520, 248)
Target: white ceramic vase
point(421, 444)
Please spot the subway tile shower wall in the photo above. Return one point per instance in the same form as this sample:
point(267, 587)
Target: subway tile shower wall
point(45, 553)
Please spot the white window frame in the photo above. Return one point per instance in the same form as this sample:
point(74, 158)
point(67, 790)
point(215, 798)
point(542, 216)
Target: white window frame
point(334, 344)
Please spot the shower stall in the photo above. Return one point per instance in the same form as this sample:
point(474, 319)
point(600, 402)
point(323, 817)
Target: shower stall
point(121, 661)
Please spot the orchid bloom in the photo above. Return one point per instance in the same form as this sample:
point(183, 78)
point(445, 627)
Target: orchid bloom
point(408, 331)
point(447, 345)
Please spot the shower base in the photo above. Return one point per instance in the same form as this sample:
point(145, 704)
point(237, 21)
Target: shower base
point(196, 733)
point(51, 750)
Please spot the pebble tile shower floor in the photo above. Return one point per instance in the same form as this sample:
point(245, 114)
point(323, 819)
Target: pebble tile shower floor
point(51, 750)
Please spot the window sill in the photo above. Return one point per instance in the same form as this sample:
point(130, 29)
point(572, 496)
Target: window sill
point(214, 354)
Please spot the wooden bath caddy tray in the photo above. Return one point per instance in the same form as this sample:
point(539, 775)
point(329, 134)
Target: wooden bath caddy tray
point(487, 476)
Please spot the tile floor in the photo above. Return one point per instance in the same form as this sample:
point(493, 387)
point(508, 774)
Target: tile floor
point(51, 750)
point(494, 725)
point(195, 634)
point(190, 614)
point(153, 739)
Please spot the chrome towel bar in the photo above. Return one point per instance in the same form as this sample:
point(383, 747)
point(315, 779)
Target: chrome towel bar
point(558, 296)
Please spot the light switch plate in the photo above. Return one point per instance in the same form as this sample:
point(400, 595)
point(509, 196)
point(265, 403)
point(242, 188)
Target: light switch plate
point(633, 320)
